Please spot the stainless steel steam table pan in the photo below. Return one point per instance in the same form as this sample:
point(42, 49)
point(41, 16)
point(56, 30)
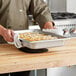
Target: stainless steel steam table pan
point(42, 43)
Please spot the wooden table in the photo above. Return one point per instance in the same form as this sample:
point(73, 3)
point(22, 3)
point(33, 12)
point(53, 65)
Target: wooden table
point(13, 60)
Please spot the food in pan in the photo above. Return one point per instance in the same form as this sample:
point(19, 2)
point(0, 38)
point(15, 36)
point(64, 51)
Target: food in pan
point(35, 36)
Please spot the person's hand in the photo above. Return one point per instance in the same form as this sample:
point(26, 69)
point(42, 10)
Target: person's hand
point(49, 25)
point(7, 34)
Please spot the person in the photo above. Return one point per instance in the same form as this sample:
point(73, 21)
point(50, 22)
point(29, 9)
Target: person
point(14, 16)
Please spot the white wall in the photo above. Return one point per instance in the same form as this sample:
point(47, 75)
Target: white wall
point(57, 5)
point(71, 6)
point(62, 5)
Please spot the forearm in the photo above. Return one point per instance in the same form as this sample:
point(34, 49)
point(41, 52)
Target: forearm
point(40, 12)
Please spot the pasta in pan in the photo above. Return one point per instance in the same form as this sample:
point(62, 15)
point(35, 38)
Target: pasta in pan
point(35, 36)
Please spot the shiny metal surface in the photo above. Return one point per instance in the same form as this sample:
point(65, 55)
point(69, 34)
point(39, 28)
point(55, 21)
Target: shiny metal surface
point(42, 43)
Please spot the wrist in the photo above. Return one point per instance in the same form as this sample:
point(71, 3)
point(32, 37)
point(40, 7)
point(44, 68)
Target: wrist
point(2, 30)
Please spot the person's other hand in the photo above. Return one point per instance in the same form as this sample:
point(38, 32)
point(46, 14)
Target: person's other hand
point(49, 25)
point(7, 34)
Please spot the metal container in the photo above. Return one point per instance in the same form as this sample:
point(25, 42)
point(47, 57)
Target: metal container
point(42, 43)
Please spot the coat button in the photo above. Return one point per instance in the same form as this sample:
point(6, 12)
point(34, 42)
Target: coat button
point(21, 10)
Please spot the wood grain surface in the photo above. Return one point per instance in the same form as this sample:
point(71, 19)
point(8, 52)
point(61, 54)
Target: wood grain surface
point(14, 60)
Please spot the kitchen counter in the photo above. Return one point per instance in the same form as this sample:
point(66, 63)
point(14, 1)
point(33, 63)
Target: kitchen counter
point(14, 60)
